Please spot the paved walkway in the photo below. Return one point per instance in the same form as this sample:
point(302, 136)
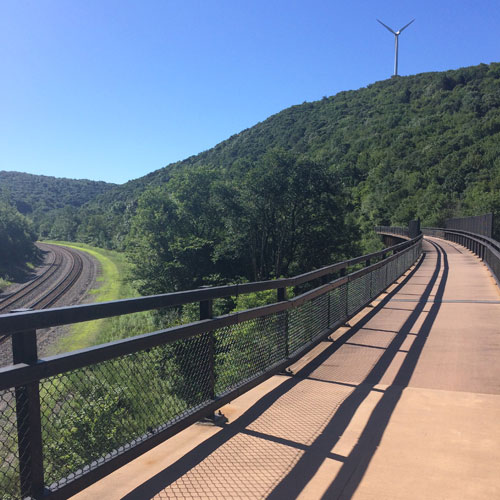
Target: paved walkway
point(405, 405)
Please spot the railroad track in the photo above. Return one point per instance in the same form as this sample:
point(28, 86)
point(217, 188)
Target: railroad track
point(46, 298)
point(62, 287)
point(15, 299)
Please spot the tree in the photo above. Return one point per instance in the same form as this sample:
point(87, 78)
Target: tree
point(173, 234)
point(283, 214)
point(17, 239)
point(287, 216)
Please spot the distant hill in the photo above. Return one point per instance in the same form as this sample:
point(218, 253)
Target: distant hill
point(43, 199)
point(39, 193)
point(423, 146)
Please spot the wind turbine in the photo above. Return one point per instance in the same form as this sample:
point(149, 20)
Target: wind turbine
point(396, 34)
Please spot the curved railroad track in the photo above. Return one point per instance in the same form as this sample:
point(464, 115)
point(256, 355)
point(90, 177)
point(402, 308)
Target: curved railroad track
point(15, 300)
point(64, 285)
point(63, 271)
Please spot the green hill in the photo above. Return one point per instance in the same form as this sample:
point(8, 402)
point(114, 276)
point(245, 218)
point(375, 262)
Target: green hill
point(48, 201)
point(423, 146)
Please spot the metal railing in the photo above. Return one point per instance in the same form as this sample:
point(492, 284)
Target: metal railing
point(69, 420)
point(476, 224)
point(393, 230)
point(484, 247)
point(474, 233)
point(436, 232)
point(408, 233)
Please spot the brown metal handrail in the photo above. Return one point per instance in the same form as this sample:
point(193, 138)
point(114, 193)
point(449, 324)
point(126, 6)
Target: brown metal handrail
point(28, 371)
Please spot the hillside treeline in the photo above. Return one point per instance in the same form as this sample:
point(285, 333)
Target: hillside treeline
point(423, 146)
point(51, 203)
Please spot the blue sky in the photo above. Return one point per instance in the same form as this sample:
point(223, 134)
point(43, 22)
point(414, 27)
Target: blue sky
point(114, 89)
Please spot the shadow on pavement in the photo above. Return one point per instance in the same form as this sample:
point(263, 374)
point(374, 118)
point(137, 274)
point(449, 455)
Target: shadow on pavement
point(303, 460)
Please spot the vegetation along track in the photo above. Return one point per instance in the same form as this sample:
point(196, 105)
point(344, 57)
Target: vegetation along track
point(63, 270)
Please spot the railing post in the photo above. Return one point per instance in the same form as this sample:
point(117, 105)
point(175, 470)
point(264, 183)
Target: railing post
point(281, 298)
point(29, 424)
point(325, 280)
point(343, 272)
point(206, 312)
point(368, 264)
point(386, 265)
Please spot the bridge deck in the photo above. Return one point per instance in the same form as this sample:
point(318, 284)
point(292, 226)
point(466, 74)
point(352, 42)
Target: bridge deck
point(405, 404)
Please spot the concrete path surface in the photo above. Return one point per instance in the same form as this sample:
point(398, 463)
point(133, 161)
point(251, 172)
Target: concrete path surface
point(405, 404)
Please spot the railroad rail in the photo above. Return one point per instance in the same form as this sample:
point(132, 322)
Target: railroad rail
point(48, 297)
point(12, 300)
point(63, 286)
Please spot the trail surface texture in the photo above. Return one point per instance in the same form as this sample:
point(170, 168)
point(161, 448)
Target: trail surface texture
point(405, 404)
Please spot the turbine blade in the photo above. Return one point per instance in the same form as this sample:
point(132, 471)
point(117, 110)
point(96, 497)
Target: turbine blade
point(385, 26)
point(406, 26)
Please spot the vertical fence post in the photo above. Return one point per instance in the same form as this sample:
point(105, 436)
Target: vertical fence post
point(29, 424)
point(368, 264)
point(324, 281)
point(343, 272)
point(281, 292)
point(386, 265)
point(206, 312)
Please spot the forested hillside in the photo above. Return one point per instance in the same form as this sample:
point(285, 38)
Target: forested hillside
point(423, 146)
point(51, 203)
point(302, 187)
point(282, 215)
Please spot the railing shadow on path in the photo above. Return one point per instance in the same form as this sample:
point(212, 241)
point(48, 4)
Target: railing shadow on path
point(354, 466)
point(352, 471)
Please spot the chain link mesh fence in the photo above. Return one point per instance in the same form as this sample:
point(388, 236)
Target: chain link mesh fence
point(337, 305)
point(306, 322)
point(246, 350)
point(9, 455)
point(91, 415)
point(358, 293)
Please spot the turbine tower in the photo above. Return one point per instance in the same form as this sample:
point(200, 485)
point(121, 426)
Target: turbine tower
point(396, 34)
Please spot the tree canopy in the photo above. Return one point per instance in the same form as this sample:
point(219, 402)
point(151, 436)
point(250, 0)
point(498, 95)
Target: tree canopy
point(17, 239)
point(286, 215)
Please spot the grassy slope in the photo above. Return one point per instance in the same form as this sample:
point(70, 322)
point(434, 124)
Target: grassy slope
point(112, 285)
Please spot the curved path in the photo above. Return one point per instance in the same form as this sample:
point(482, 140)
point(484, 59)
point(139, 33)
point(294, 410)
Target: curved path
point(405, 404)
